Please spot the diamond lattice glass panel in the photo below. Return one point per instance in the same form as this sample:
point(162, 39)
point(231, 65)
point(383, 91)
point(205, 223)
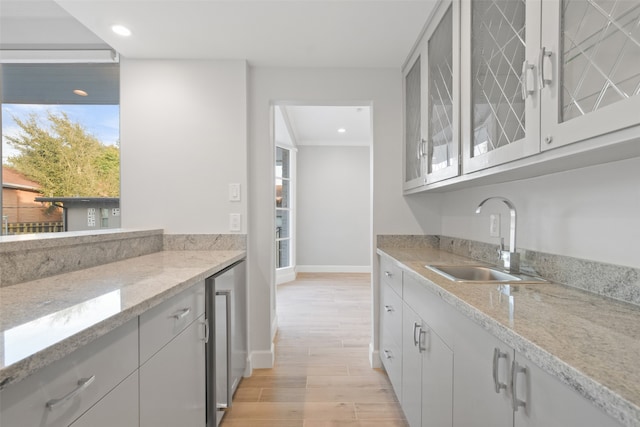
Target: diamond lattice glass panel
point(441, 96)
point(601, 54)
point(412, 122)
point(497, 54)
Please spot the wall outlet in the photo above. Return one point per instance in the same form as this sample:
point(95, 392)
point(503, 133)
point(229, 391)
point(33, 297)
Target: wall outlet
point(494, 225)
point(235, 222)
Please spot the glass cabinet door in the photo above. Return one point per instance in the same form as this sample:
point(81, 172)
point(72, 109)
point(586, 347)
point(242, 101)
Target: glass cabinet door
point(413, 144)
point(443, 123)
point(590, 69)
point(502, 39)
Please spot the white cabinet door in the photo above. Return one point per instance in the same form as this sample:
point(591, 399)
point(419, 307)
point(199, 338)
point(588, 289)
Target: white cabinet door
point(591, 69)
point(500, 43)
point(427, 374)
point(441, 131)
point(549, 403)
point(391, 336)
point(411, 367)
point(481, 394)
point(172, 381)
point(437, 380)
point(118, 408)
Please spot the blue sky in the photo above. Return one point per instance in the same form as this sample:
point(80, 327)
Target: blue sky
point(102, 121)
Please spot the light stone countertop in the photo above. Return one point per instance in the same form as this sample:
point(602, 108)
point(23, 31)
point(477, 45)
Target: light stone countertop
point(44, 320)
point(589, 342)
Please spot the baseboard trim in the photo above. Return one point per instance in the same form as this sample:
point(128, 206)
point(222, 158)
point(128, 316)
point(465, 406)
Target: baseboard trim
point(287, 275)
point(333, 269)
point(263, 359)
point(374, 357)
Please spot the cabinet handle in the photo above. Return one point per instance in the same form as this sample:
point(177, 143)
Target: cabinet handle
point(83, 383)
point(205, 322)
point(182, 313)
point(416, 337)
point(497, 355)
point(388, 274)
point(387, 354)
point(422, 338)
point(544, 53)
point(515, 370)
point(388, 308)
point(524, 79)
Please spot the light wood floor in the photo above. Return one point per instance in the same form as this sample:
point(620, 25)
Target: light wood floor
point(321, 376)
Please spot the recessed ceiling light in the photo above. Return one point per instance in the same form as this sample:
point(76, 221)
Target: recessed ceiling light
point(121, 30)
point(80, 92)
point(342, 130)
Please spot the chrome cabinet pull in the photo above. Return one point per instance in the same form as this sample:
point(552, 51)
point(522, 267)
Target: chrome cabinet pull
point(422, 338)
point(515, 370)
point(388, 308)
point(182, 313)
point(83, 383)
point(544, 53)
point(524, 79)
point(387, 354)
point(388, 274)
point(497, 355)
point(205, 322)
point(416, 337)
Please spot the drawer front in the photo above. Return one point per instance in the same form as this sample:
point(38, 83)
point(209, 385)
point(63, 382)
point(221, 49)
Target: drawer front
point(391, 314)
point(164, 322)
point(391, 356)
point(391, 274)
point(108, 360)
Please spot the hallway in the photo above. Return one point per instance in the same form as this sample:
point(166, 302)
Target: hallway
point(322, 376)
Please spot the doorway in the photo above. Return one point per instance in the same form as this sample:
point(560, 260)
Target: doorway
point(323, 203)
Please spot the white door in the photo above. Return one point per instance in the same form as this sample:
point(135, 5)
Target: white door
point(411, 367)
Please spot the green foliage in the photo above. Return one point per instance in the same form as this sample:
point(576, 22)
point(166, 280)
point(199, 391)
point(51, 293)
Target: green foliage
point(64, 159)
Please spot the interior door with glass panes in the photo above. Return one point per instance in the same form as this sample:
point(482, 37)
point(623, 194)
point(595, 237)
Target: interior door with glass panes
point(590, 69)
point(442, 127)
point(499, 46)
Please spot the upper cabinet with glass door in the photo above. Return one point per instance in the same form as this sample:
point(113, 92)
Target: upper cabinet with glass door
point(431, 102)
point(589, 69)
point(500, 42)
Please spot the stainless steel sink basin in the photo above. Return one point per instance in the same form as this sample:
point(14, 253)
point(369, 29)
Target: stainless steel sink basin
point(477, 273)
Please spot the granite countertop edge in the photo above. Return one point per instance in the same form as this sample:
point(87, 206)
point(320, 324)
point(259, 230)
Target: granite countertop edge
point(20, 370)
point(611, 402)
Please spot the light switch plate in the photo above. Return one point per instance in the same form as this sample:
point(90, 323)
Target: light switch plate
point(234, 192)
point(235, 222)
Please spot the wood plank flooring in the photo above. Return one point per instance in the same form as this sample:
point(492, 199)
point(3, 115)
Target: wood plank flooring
point(321, 376)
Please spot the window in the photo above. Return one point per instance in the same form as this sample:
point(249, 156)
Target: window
point(60, 140)
point(283, 207)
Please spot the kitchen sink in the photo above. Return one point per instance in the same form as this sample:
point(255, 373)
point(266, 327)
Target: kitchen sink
point(478, 273)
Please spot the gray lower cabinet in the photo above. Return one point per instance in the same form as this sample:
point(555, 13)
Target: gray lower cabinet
point(427, 374)
point(172, 381)
point(497, 386)
point(455, 373)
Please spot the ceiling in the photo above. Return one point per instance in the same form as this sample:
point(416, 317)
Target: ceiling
point(268, 33)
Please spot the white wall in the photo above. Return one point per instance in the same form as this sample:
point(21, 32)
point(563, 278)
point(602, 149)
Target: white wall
point(333, 209)
point(392, 213)
point(183, 140)
point(591, 213)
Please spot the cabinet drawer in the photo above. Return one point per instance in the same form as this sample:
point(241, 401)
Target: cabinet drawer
point(162, 323)
point(108, 360)
point(391, 356)
point(391, 274)
point(391, 314)
point(118, 408)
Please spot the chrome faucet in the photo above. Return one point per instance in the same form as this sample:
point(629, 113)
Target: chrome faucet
point(510, 259)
